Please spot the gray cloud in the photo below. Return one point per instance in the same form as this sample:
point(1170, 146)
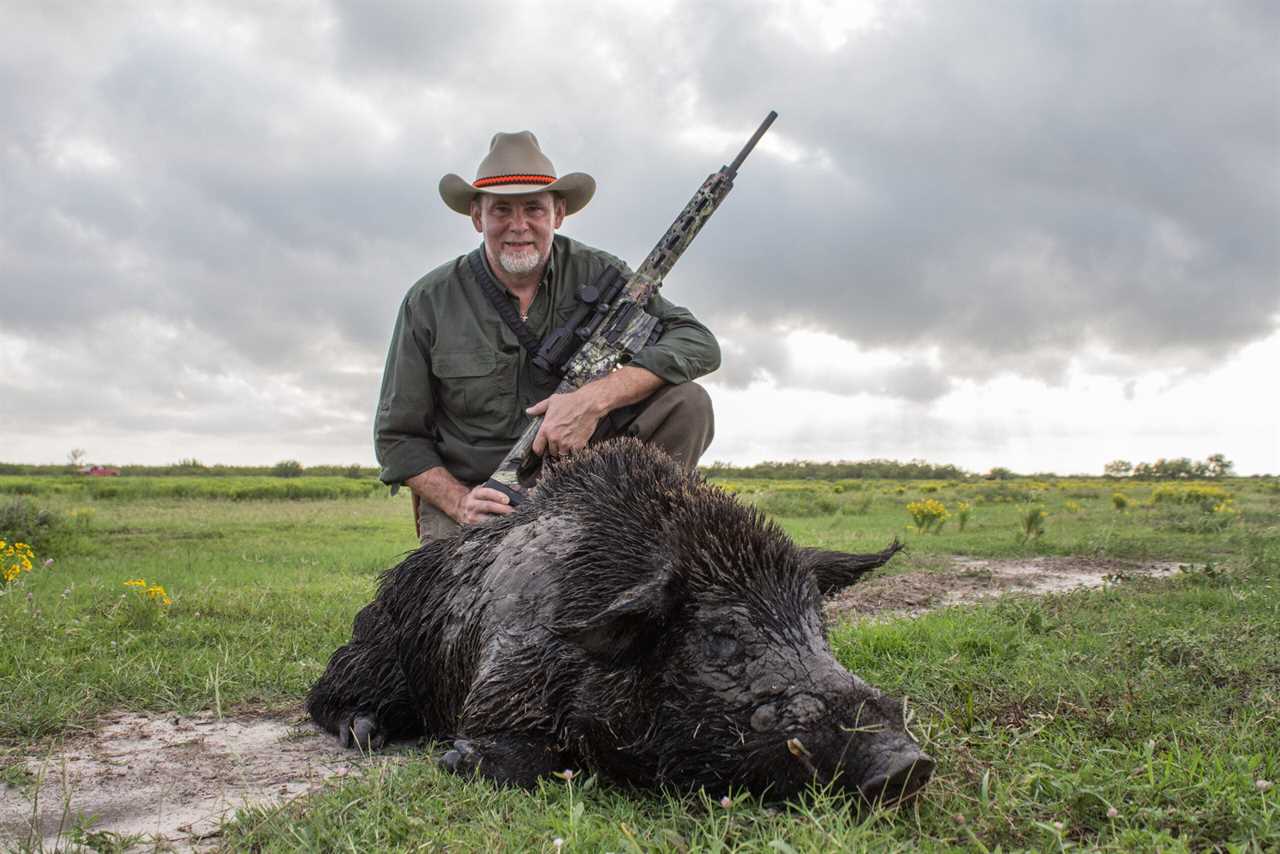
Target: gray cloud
point(1004, 182)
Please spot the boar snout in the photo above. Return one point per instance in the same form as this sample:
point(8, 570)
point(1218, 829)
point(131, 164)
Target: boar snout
point(900, 772)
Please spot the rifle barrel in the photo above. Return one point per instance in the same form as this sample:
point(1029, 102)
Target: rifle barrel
point(751, 143)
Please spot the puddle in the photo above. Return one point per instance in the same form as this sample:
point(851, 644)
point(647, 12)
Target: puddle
point(974, 579)
point(170, 781)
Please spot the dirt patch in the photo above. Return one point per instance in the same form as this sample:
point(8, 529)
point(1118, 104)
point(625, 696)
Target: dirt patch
point(973, 579)
point(168, 781)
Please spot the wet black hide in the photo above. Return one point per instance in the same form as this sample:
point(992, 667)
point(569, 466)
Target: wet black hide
point(631, 620)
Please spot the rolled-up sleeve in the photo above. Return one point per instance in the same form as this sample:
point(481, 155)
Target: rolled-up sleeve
point(404, 430)
point(684, 351)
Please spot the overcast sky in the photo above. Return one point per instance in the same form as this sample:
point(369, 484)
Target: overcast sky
point(1041, 235)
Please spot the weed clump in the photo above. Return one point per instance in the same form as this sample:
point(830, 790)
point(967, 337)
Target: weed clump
point(15, 559)
point(145, 603)
point(21, 520)
point(1032, 523)
point(928, 515)
point(1194, 508)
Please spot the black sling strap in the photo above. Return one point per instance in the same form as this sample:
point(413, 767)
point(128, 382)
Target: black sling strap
point(501, 304)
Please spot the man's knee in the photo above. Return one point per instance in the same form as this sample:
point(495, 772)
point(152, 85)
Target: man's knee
point(692, 399)
point(679, 419)
point(434, 523)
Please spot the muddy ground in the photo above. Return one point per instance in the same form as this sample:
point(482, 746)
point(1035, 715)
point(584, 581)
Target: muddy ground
point(169, 782)
point(974, 579)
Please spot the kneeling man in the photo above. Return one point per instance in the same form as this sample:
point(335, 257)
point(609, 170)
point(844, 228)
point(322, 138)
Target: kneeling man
point(459, 385)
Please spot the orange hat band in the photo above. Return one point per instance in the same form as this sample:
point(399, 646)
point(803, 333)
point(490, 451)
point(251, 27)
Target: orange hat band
point(498, 180)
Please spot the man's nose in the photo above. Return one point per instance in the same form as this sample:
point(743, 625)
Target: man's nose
point(518, 221)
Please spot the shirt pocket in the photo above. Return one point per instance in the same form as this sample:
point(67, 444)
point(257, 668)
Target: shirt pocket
point(474, 387)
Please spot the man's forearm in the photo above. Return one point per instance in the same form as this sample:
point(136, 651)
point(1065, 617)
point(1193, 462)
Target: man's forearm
point(439, 488)
point(628, 384)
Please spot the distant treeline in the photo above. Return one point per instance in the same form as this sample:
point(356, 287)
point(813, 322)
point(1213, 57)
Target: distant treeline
point(191, 468)
point(805, 470)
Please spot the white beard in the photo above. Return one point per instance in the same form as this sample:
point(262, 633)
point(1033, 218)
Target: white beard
point(519, 263)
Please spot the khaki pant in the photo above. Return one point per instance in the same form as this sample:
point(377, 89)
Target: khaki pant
point(676, 418)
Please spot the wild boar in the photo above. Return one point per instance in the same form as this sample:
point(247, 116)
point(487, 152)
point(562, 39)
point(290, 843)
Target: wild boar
point(627, 618)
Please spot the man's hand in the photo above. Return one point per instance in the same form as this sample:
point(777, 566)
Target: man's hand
point(568, 420)
point(479, 504)
point(466, 506)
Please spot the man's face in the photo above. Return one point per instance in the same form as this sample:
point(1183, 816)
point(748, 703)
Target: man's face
point(518, 229)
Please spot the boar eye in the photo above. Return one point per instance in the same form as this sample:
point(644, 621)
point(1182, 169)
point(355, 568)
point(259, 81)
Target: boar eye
point(722, 646)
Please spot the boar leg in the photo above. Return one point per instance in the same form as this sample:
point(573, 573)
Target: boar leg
point(509, 760)
point(362, 697)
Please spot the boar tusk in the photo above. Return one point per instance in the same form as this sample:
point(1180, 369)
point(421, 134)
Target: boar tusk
point(799, 751)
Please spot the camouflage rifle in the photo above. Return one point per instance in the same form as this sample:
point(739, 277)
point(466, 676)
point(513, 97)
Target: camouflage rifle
point(616, 326)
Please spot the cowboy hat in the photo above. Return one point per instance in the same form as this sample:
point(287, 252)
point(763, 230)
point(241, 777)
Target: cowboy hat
point(514, 165)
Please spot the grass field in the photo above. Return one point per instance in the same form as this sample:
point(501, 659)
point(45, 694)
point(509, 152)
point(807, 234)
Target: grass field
point(1143, 715)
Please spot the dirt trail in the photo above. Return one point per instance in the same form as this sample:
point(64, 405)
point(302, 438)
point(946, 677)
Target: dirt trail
point(974, 579)
point(171, 781)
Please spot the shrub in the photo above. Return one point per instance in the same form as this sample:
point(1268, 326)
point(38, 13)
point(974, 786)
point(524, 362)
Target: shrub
point(22, 521)
point(15, 559)
point(795, 503)
point(962, 514)
point(1004, 493)
point(1207, 498)
point(1194, 508)
point(928, 515)
point(1033, 519)
point(287, 468)
point(144, 603)
point(857, 506)
point(1119, 500)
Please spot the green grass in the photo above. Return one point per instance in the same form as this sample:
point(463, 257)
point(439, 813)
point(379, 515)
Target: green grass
point(1159, 700)
point(231, 488)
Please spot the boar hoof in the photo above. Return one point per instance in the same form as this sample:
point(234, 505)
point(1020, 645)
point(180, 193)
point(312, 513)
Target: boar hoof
point(462, 759)
point(361, 733)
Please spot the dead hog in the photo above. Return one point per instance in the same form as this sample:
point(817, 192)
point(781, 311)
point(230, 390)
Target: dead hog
point(630, 619)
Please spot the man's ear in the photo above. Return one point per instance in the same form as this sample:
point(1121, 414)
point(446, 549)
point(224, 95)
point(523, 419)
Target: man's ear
point(560, 206)
point(630, 627)
point(475, 213)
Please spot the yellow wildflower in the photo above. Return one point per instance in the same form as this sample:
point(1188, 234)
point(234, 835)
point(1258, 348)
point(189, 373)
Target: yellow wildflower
point(135, 582)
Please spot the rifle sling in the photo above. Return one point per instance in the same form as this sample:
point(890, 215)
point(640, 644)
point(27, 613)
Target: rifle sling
point(501, 304)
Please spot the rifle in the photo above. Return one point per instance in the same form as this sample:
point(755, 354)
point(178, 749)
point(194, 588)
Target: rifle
point(616, 326)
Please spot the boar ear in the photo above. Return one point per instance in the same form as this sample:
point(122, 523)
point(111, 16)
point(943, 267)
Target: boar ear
point(629, 628)
point(835, 571)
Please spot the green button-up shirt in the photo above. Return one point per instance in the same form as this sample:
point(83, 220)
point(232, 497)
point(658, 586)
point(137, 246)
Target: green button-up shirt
point(457, 381)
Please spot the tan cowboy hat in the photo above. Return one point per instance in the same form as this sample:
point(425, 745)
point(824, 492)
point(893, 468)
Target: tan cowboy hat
point(515, 164)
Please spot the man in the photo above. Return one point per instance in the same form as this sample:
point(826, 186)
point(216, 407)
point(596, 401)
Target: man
point(459, 387)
